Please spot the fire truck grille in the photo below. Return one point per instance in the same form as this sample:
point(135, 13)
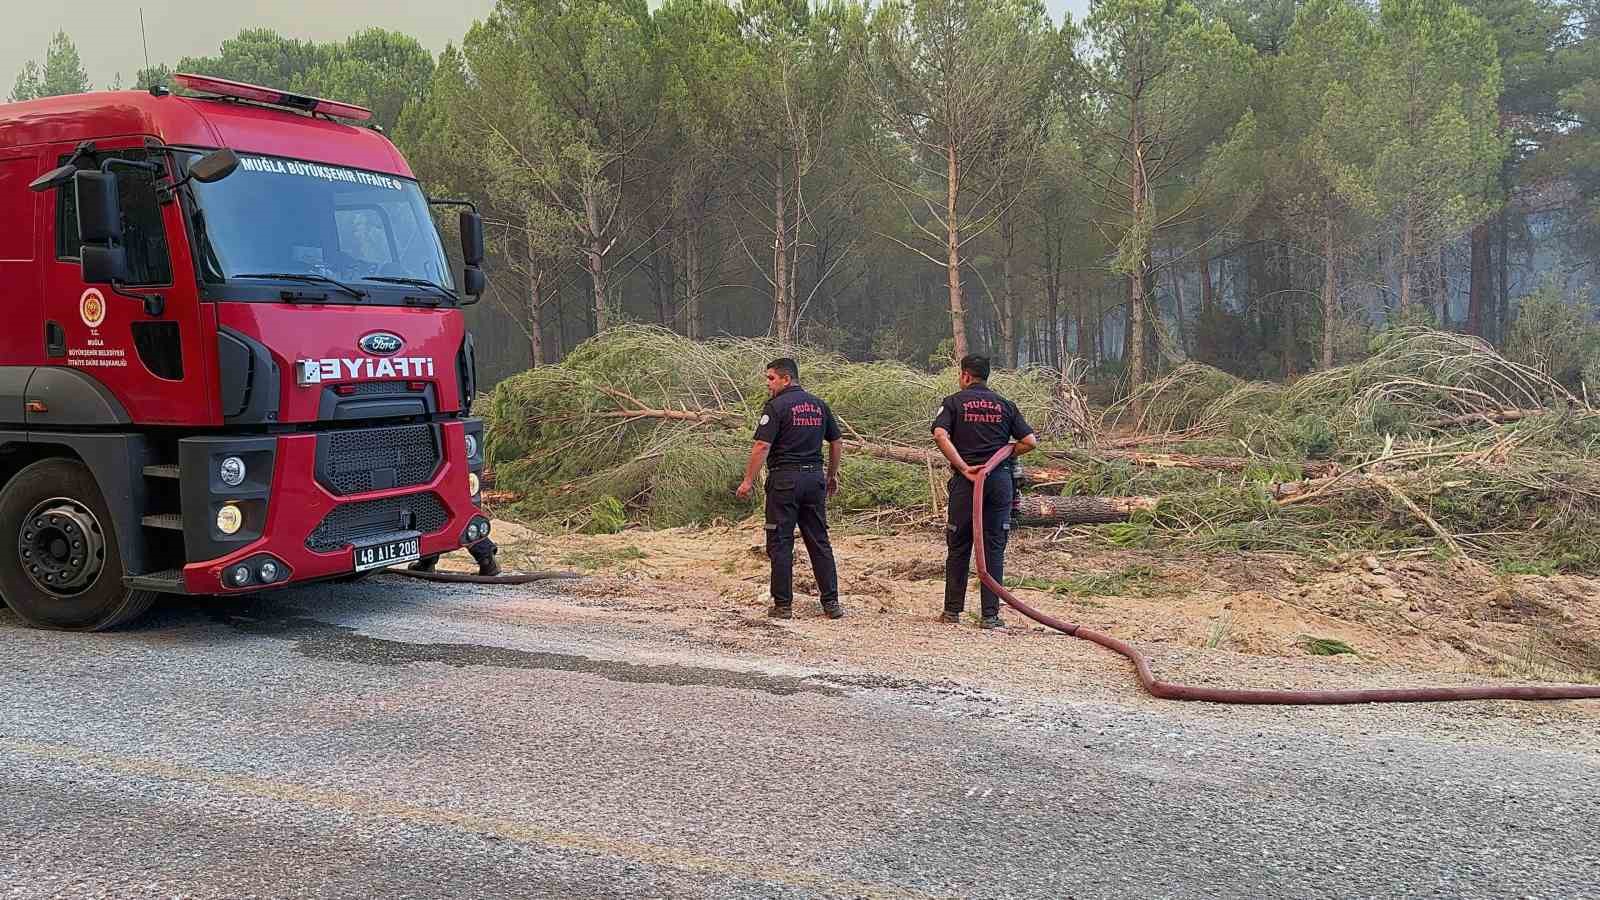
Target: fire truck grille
point(372, 459)
point(377, 388)
point(351, 522)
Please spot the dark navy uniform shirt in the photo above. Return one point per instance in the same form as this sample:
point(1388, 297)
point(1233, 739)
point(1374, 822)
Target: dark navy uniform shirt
point(980, 422)
point(795, 423)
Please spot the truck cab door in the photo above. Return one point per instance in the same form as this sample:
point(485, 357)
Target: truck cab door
point(155, 366)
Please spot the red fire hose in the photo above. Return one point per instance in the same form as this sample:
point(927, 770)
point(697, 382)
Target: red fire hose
point(1166, 690)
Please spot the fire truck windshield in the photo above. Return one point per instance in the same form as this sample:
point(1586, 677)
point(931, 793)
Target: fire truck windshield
point(275, 215)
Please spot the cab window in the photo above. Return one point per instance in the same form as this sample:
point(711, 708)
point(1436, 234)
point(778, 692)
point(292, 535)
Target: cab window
point(142, 230)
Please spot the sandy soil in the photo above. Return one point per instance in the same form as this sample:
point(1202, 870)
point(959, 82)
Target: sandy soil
point(1226, 619)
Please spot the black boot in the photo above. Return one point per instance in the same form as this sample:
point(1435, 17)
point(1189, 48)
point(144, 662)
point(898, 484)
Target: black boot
point(833, 609)
point(425, 564)
point(485, 553)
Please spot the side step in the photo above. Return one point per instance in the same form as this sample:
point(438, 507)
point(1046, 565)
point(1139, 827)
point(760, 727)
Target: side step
point(168, 582)
point(169, 521)
point(161, 471)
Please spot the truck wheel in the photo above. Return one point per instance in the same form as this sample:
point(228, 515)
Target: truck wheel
point(59, 562)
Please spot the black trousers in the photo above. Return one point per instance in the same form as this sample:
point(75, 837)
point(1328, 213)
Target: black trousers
point(998, 492)
point(799, 497)
point(482, 550)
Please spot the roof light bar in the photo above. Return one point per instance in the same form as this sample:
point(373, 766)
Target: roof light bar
point(222, 87)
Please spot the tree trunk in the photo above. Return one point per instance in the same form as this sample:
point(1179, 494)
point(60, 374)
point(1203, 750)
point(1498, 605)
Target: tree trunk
point(1504, 311)
point(1008, 296)
point(692, 324)
point(794, 254)
point(1478, 291)
point(1177, 311)
point(1041, 510)
point(1311, 468)
point(1330, 293)
point(1405, 264)
point(561, 322)
point(1205, 322)
point(958, 312)
point(597, 273)
point(1099, 330)
point(1444, 289)
point(1136, 287)
point(782, 314)
point(595, 259)
point(536, 276)
point(659, 292)
point(1286, 335)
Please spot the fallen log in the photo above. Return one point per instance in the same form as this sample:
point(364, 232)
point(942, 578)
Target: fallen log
point(1041, 510)
point(1312, 469)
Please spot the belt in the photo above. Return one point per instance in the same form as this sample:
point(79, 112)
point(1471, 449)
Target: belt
point(796, 467)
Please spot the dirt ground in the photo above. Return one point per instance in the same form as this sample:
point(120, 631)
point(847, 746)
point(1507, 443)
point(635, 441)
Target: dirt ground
point(1253, 620)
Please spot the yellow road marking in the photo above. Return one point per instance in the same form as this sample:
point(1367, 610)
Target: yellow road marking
point(617, 848)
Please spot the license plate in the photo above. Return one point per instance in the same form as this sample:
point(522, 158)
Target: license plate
point(387, 553)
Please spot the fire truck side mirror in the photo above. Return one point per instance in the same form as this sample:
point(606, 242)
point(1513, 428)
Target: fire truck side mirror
point(475, 282)
point(103, 258)
point(471, 239)
point(104, 263)
point(214, 166)
point(99, 207)
point(54, 178)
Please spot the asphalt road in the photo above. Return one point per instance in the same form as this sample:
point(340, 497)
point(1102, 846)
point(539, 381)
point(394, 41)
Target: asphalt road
point(378, 740)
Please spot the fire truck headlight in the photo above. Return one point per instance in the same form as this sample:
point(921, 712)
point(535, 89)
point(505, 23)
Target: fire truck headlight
point(269, 571)
point(472, 446)
point(240, 576)
point(229, 519)
point(231, 471)
point(474, 483)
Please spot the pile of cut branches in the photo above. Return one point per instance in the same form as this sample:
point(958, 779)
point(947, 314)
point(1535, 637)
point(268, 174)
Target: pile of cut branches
point(1436, 442)
point(662, 424)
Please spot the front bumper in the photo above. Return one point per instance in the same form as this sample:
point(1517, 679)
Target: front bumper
point(309, 497)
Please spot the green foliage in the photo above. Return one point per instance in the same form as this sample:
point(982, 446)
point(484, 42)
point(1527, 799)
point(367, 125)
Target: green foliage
point(1411, 136)
point(1131, 581)
point(62, 72)
point(386, 71)
point(606, 516)
point(1325, 646)
point(931, 72)
point(559, 435)
point(1557, 337)
point(866, 484)
point(1314, 437)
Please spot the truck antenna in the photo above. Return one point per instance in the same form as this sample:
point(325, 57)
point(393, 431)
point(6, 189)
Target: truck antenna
point(144, 40)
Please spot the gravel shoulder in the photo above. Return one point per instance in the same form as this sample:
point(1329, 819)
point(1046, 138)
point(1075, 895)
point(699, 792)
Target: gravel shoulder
point(630, 736)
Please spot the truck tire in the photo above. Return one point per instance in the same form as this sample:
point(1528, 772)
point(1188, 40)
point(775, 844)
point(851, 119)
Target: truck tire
point(60, 566)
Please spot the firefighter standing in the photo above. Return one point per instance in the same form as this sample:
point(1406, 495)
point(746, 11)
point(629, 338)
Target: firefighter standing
point(789, 437)
point(969, 427)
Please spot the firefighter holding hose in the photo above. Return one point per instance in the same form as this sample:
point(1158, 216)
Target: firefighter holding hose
point(970, 426)
point(789, 436)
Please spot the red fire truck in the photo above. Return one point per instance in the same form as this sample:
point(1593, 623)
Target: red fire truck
point(232, 354)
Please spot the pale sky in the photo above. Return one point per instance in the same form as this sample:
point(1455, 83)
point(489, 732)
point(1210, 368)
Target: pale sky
point(107, 31)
